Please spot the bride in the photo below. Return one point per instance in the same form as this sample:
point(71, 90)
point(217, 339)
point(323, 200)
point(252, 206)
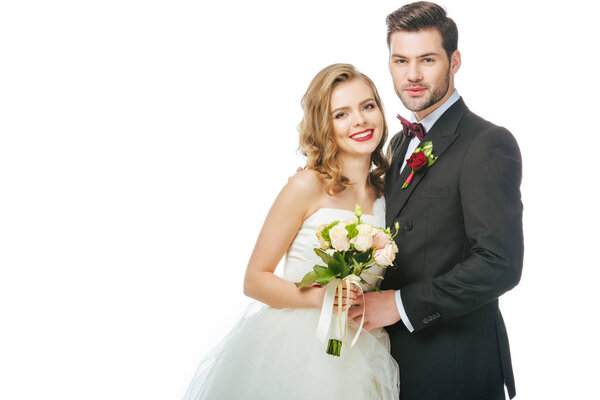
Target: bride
point(273, 352)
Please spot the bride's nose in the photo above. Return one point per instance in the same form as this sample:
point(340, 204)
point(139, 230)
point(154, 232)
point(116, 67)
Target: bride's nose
point(359, 119)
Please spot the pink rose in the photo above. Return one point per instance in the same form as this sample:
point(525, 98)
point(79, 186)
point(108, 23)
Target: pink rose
point(381, 239)
point(385, 257)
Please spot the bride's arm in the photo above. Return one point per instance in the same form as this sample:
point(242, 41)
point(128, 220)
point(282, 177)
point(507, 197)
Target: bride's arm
point(293, 204)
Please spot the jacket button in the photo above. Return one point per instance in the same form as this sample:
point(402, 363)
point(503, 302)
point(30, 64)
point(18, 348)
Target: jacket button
point(408, 226)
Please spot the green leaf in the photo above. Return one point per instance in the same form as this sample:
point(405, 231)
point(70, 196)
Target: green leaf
point(308, 280)
point(335, 267)
point(376, 289)
point(324, 256)
point(345, 270)
point(430, 160)
point(352, 231)
point(362, 257)
point(427, 148)
point(322, 275)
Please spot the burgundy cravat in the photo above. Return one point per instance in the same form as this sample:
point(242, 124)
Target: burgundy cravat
point(412, 129)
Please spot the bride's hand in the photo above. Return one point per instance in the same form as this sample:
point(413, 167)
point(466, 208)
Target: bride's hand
point(348, 297)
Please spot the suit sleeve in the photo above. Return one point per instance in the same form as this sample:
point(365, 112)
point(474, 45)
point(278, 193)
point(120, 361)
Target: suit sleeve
point(489, 187)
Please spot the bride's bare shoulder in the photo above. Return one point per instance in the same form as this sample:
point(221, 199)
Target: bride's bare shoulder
point(304, 191)
point(307, 180)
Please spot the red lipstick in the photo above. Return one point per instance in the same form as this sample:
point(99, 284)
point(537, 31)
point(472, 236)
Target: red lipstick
point(363, 137)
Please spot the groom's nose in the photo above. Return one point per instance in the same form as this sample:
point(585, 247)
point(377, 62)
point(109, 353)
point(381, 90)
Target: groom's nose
point(414, 72)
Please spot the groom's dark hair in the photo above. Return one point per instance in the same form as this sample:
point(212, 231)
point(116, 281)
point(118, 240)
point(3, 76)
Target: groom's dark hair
point(420, 16)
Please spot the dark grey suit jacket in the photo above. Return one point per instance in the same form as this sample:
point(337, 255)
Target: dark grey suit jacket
point(460, 248)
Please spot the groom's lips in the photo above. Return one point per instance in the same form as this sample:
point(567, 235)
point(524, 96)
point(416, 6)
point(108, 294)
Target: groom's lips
point(415, 91)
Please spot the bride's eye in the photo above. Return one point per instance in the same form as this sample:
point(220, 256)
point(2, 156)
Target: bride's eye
point(369, 106)
point(340, 115)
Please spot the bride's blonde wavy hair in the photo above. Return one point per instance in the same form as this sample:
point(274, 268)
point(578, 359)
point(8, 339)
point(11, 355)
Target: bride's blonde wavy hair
point(316, 130)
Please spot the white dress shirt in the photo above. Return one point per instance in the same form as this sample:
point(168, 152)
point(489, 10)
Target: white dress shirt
point(427, 123)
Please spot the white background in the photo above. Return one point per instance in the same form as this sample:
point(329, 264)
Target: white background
point(142, 143)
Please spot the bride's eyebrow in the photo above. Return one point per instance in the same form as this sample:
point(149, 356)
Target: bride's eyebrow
point(340, 109)
point(347, 107)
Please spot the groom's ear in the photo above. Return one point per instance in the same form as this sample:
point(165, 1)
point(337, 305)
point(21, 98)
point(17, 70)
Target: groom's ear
point(455, 61)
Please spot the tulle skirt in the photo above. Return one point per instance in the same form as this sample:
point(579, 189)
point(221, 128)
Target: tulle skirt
point(274, 354)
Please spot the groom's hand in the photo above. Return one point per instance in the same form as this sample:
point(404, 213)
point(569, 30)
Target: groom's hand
point(380, 309)
point(300, 169)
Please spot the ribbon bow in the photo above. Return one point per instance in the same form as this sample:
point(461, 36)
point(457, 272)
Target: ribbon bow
point(412, 129)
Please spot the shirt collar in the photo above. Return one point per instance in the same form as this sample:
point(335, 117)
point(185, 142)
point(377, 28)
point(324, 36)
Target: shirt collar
point(432, 118)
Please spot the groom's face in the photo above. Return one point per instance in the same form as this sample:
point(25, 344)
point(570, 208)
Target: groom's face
point(422, 74)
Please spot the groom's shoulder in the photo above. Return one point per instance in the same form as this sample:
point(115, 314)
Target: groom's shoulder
point(484, 137)
point(482, 130)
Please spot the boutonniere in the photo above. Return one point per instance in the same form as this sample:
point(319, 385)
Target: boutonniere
point(420, 158)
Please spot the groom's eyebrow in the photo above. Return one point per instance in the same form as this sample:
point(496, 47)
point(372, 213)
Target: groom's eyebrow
point(429, 54)
point(432, 53)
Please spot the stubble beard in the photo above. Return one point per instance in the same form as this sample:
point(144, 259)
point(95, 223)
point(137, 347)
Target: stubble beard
point(435, 94)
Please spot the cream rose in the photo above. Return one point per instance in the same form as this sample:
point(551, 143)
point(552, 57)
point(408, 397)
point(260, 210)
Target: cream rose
point(364, 240)
point(339, 237)
point(323, 243)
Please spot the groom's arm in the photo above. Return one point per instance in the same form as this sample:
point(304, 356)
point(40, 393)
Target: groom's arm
point(492, 210)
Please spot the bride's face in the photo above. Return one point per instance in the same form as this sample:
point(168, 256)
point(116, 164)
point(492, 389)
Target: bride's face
point(357, 121)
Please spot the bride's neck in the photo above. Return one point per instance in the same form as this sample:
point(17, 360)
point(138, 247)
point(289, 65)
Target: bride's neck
point(357, 171)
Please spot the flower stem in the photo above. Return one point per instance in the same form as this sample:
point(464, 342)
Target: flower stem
point(334, 346)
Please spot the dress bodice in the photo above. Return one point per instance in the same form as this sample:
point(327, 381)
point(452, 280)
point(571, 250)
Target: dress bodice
point(301, 257)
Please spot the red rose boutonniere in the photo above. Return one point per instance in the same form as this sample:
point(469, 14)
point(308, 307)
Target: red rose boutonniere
point(420, 158)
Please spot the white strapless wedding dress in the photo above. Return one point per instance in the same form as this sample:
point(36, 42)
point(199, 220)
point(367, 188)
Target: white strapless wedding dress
point(274, 354)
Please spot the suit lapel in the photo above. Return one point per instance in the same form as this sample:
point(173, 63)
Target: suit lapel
point(442, 134)
point(396, 162)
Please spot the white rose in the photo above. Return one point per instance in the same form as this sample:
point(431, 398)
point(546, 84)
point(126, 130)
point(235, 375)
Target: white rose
point(341, 244)
point(323, 243)
point(354, 220)
point(339, 237)
point(364, 240)
point(338, 232)
point(365, 229)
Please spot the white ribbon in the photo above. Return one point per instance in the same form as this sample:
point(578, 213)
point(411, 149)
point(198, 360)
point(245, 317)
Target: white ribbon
point(327, 309)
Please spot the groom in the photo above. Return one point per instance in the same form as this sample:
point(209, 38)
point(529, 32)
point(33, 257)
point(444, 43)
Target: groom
point(460, 240)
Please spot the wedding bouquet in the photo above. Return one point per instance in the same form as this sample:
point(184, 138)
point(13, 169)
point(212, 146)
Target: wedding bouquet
point(348, 249)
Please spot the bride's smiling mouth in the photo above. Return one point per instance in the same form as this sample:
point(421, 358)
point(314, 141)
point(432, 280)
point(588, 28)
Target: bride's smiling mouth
point(362, 136)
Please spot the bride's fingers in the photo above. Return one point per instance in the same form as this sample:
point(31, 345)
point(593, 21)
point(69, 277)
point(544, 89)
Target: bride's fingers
point(352, 293)
point(344, 303)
